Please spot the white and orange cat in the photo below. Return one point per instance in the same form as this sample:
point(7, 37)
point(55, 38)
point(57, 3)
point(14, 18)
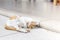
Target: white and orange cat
point(22, 23)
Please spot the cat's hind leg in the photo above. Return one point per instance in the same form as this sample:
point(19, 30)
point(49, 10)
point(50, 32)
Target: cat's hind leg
point(10, 28)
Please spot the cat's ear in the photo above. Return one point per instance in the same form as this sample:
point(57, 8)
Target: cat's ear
point(12, 17)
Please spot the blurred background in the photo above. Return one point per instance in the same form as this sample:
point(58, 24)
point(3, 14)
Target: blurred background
point(40, 8)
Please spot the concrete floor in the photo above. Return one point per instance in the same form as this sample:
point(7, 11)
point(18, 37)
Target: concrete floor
point(41, 9)
point(35, 34)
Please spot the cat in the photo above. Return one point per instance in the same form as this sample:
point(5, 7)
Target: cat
point(21, 23)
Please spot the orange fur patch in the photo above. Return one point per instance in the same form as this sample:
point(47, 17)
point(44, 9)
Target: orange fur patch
point(32, 25)
point(13, 17)
point(10, 28)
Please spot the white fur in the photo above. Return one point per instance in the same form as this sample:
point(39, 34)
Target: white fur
point(22, 21)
